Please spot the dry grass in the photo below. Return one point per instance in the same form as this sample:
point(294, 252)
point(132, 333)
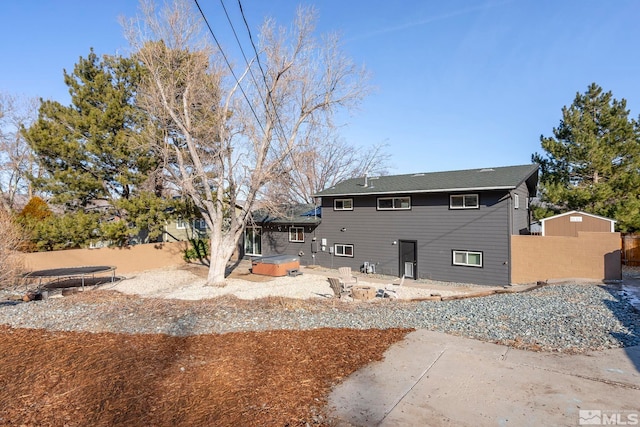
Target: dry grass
point(103, 379)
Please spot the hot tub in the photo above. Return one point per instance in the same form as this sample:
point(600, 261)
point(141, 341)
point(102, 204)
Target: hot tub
point(275, 265)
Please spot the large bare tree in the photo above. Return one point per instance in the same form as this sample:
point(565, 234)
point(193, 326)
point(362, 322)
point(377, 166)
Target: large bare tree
point(226, 136)
point(17, 161)
point(321, 162)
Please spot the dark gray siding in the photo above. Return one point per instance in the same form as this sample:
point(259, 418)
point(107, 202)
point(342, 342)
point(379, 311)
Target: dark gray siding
point(437, 230)
point(275, 241)
point(520, 216)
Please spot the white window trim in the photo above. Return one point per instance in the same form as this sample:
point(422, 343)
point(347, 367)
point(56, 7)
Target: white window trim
point(181, 224)
point(335, 208)
point(516, 201)
point(342, 245)
point(393, 203)
point(477, 206)
point(297, 230)
point(466, 253)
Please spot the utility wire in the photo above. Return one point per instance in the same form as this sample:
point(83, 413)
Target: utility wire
point(264, 76)
point(229, 65)
point(246, 60)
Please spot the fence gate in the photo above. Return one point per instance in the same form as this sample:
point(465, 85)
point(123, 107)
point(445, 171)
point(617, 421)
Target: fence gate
point(631, 249)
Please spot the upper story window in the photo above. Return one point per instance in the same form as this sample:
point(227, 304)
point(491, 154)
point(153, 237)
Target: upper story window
point(296, 234)
point(343, 204)
point(181, 224)
point(464, 201)
point(516, 201)
point(394, 203)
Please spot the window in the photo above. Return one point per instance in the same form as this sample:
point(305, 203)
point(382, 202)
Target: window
point(467, 258)
point(296, 234)
point(394, 203)
point(516, 201)
point(343, 250)
point(343, 205)
point(181, 224)
point(199, 224)
point(253, 241)
point(463, 201)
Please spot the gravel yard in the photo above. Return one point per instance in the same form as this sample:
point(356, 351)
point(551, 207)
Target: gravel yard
point(561, 317)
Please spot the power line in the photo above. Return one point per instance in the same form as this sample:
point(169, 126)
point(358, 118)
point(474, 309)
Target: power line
point(246, 24)
point(264, 76)
point(246, 60)
point(229, 65)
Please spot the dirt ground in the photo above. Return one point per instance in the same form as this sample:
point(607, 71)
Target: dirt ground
point(277, 378)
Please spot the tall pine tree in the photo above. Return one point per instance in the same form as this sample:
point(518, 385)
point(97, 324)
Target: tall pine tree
point(92, 148)
point(592, 161)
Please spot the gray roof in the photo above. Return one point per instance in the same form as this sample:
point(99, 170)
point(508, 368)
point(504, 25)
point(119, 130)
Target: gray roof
point(498, 178)
point(295, 214)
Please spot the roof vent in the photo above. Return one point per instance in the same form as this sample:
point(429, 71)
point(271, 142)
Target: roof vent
point(487, 170)
point(418, 174)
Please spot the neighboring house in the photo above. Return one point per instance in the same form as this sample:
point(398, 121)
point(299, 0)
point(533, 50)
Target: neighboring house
point(452, 226)
point(570, 223)
point(182, 230)
point(291, 232)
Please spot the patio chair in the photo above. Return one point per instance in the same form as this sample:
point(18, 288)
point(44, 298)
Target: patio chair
point(391, 293)
point(346, 277)
point(338, 287)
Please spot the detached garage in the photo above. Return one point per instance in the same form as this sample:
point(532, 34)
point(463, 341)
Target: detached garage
point(570, 223)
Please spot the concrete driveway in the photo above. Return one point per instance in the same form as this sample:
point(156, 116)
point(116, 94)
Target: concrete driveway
point(434, 379)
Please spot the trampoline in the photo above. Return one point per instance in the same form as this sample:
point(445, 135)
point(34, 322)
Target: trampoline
point(55, 275)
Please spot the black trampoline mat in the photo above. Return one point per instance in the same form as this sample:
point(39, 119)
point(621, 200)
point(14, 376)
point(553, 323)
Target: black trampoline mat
point(71, 271)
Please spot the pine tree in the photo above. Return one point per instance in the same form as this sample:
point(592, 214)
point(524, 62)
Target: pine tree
point(592, 161)
point(92, 148)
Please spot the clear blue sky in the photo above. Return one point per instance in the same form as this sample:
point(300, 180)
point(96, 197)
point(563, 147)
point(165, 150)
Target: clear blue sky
point(459, 84)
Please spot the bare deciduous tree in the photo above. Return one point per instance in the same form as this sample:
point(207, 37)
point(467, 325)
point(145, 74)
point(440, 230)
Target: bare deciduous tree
point(16, 157)
point(225, 138)
point(322, 162)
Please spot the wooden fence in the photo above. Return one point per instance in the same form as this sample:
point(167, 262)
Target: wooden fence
point(631, 249)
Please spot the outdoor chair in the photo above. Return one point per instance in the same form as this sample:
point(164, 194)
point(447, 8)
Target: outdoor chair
point(338, 287)
point(391, 293)
point(346, 277)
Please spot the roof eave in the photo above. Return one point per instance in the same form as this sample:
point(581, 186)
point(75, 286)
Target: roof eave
point(439, 190)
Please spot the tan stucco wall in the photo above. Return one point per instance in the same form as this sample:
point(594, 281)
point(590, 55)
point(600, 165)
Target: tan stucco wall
point(591, 255)
point(133, 258)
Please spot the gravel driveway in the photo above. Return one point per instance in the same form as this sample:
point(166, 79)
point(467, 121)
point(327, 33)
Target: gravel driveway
point(567, 317)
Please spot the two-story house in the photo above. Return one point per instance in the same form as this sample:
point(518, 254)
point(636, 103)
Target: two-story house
point(451, 226)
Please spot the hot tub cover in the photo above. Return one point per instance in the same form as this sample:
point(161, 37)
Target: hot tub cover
point(276, 259)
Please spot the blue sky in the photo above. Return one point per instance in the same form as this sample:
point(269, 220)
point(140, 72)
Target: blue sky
point(458, 84)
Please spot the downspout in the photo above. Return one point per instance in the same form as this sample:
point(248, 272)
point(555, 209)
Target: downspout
point(510, 231)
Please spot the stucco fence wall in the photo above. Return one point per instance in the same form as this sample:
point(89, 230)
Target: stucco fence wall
point(591, 255)
point(126, 260)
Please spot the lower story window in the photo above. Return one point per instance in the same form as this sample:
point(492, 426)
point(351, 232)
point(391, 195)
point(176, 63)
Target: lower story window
point(341, 249)
point(467, 258)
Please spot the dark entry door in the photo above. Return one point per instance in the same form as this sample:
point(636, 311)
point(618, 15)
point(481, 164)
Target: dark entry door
point(408, 259)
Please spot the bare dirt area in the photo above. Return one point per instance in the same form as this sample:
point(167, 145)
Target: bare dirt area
point(279, 378)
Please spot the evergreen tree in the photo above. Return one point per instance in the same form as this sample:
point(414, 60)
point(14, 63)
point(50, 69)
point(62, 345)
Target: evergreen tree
point(92, 148)
point(592, 161)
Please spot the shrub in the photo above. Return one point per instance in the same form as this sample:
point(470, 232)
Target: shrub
point(11, 261)
point(199, 250)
